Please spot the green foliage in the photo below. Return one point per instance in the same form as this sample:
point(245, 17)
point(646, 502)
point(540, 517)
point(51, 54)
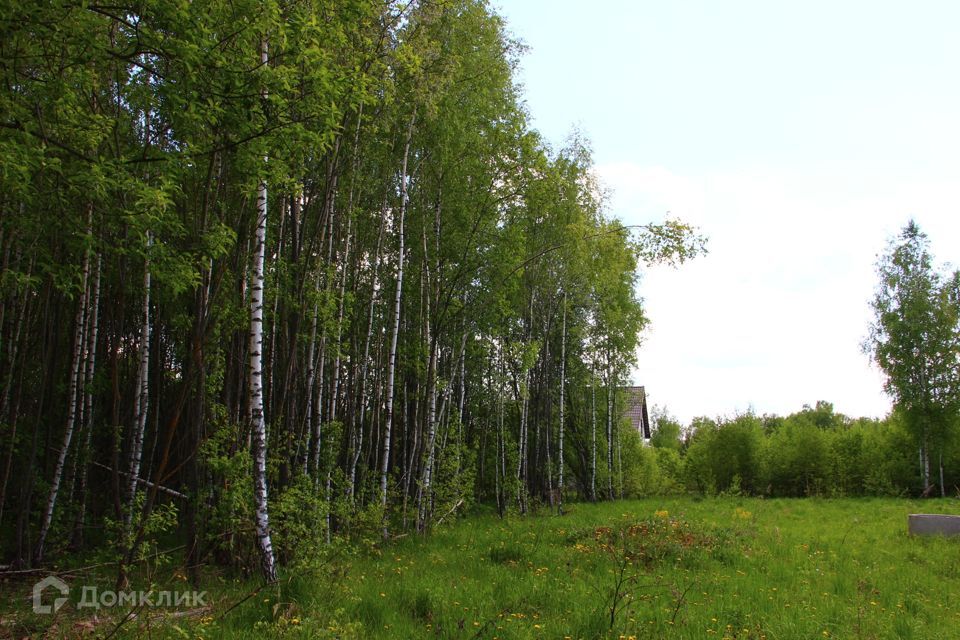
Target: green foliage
point(814, 452)
point(914, 340)
point(717, 455)
point(642, 475)
point(798, 461)
point(230, 510)
point(299, 524)
point(137, 143)
point(156, 525)
point(665, 431)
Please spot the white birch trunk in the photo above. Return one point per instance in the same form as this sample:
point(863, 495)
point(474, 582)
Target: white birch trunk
point(141, 400)
point(257, 418)
point(593, 434)
point(463, 395)
point(311, 378)
point(522, 444)
point(423, 496)
point(610, 493)
point(365, 364)
point(563, 383)
point(343, 286)
point(318, 423)
point(92, 330)
point(335, 386)
point(501, 466)
point(423, 493)
point(392, 361)
point(73, 402)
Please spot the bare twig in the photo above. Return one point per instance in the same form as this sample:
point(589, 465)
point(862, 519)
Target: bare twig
point(680, 600)
point(459, 502)
point(145, 482)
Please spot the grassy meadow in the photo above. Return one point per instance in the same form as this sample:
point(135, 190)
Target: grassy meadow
point(655, 568)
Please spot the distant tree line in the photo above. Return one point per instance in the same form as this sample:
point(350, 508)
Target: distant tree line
point(814, 452)
point(274, 273)
point(915, 341)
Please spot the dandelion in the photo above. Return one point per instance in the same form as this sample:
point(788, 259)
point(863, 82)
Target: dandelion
point(663, 513)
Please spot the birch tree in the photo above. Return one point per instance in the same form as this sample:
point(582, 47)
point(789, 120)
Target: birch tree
point(914, 340)
point(392, 357)
point(255, 379)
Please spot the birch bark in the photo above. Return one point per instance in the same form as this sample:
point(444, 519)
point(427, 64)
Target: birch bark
point(255, 380)
point(563, 381)
point(141, 401)
point(73, 402)
point(392, 361)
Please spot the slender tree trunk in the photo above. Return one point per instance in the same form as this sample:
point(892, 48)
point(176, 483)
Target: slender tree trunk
point(563, 383)
point(433, 346)
point(84, 458)
point(5, 411)
point(522, 444)
point(423, 494)
point(318, 423)
point(544, 385)
point(259, 425)
point(925, 465)
point(72, 406)
point(501, 464)
point(610, 494)
point(943, 489)
point(593, 434)
point(335, 386)
point(374, 290)
point(617, 429)
point(311, 411)
point(392, 362)
point(463, 396)
point(142, 393)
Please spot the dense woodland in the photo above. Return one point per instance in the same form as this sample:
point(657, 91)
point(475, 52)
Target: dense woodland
point(278, 274)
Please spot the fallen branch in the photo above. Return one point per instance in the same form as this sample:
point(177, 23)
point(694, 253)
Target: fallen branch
point(147, 483)
point(454, 508)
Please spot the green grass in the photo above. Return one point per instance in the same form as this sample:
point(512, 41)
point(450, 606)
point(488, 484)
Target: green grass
point(715, 568)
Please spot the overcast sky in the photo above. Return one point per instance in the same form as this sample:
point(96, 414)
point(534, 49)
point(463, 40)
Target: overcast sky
point(798, 136)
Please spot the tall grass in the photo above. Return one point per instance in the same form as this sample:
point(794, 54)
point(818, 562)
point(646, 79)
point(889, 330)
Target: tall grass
point(656, 568)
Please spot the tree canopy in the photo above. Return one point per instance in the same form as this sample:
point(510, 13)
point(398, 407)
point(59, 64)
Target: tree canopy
point(915, 340)
point(300, 257)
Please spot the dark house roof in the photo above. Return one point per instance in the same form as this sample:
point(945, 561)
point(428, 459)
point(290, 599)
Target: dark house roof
point(635, 408)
